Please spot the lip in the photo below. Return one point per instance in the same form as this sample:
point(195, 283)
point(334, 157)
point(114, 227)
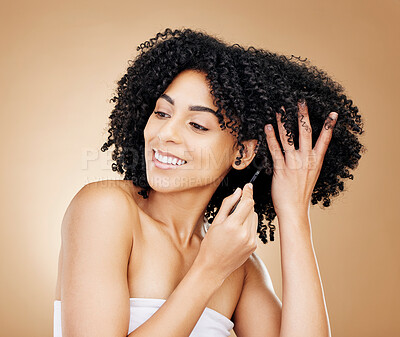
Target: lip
point(161, 165)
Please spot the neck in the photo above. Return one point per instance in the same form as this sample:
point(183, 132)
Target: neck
point(181, 213)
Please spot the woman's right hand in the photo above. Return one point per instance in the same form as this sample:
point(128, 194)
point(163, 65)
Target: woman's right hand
point(231, 239)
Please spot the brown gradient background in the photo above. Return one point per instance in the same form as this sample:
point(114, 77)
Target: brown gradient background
point(59, 65)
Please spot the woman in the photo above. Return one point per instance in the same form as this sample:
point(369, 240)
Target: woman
point(190, 126)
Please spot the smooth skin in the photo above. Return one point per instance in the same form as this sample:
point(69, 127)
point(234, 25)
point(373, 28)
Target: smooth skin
point(97, 243)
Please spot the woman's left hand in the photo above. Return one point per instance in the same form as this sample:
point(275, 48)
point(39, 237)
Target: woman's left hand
point(296, 171)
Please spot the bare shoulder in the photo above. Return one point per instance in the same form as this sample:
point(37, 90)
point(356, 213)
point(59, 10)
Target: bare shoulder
point(109, 185)
point(98, 200)
point(99, 207)
point(124, 186)
point(106, 194)
point(258, 312)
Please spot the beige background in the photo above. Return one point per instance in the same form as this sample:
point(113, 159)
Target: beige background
point(59, 65)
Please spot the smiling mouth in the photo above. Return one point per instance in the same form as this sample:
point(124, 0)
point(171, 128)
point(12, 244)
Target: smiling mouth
point(163, 165)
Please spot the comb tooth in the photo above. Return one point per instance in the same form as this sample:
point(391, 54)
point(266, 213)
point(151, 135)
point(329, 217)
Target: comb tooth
point(255, 176)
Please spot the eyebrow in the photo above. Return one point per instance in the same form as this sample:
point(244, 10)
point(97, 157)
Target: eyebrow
point(191, 107)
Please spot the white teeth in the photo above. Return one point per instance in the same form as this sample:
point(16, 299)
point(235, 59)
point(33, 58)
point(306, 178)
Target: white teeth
point(169, 160)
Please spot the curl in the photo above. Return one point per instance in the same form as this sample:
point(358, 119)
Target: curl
point(249, 85)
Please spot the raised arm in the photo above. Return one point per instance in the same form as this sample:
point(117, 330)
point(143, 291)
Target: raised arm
point(179, 314)
point(303, 311)
point(216, 260)
point(259, 311)
point(96, 245)
point(295, 174)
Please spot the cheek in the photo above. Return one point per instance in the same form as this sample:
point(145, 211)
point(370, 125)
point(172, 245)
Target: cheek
point(147, 130)
point(213, 158)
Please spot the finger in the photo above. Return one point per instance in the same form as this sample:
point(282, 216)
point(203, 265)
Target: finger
point(273, 145)
point(255, 223)
point(249, 229)
point(326, 135)
point(252, 223)
point(282, 133)
point(245, 194)
point(253, 230)
point(227, 205)
point(255, 227)
point(305, 131)
point(248, 191)
point(244, 206)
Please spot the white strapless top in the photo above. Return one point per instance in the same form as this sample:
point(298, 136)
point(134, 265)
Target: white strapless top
point(210, 324)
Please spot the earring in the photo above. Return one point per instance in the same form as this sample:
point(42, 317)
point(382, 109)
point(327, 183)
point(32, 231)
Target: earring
point(238, 161)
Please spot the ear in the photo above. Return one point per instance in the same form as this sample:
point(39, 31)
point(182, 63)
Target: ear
point(248, 154)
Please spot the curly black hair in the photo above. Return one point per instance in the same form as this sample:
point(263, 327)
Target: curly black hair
point(249, 85)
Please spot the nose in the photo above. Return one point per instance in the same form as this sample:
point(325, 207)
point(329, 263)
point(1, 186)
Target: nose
point(170, 131)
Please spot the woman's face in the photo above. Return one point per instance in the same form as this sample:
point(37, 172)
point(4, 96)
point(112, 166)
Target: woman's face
point(181, 127)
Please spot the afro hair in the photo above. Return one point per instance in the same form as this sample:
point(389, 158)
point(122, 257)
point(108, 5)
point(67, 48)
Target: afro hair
point(249, 85)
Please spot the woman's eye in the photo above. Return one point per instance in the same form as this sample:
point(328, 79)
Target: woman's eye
point(199, 127)
point(195, 125)
point(159, 112)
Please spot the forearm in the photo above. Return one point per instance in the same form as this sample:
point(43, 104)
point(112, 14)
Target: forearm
point(180, 312)
point(304, 310)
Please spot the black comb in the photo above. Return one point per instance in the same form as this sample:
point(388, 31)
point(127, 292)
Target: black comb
point(251, 181)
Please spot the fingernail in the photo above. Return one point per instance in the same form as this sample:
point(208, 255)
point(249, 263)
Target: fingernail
point(333, 115)
point(302, 102)
point(250, 185)
point(269, 127)
point(236, 191)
